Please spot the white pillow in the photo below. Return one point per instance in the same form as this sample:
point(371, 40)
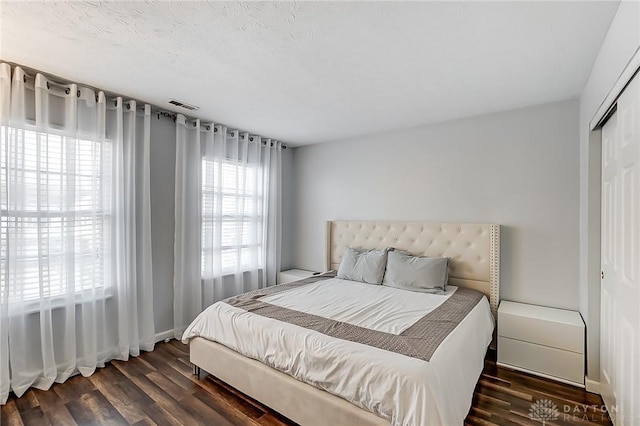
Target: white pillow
point(416, 273)
point(362, 265)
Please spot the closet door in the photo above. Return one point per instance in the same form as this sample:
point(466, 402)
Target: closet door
point(620, 289)
point(608, 285)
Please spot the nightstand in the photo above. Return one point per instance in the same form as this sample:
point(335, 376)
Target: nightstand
point(294, 275)
point(544, 341)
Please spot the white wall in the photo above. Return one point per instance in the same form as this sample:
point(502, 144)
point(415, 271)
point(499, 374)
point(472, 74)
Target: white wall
point(517, 168)
point(621, 42)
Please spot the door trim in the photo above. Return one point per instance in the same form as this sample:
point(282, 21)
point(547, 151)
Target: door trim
point(630, 69)
point(591, 385)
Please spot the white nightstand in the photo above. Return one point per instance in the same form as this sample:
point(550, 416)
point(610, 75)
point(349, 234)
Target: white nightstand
point(545, 341)
point(294, 275)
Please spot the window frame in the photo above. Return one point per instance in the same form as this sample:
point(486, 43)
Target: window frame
point(213, 191)
point(80, 294)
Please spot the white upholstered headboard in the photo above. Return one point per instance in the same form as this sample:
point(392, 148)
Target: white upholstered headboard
point(474, 249)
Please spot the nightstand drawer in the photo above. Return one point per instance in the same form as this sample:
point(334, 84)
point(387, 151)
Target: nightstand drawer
point(535, 358)
point(294, 275)
point(551, 327)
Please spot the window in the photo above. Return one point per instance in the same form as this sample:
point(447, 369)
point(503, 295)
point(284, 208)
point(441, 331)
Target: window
point(232, 211)
point(55, 208)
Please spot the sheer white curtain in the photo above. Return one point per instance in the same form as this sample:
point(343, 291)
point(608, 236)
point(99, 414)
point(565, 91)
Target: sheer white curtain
point(71, 297)
point(187, 296)
point(228, 222)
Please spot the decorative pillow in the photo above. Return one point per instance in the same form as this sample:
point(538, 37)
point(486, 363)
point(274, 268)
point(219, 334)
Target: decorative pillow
point(416, 273)
point(362, 265)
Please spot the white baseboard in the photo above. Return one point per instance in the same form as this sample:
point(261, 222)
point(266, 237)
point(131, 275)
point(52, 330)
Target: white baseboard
point(592, 385)
point(164, 335)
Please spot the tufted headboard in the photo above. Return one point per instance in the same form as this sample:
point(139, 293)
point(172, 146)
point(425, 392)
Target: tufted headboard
point(474, 249)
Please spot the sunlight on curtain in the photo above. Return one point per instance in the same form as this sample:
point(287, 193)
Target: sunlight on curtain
point(70, 293)
point(234, 213)
point(231, 210)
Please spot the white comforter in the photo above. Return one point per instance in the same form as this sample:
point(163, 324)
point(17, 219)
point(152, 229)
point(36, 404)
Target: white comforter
point(404, 390)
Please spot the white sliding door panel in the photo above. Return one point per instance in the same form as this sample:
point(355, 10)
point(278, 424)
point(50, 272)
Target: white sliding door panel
point(620, 290)
point(629, 289)
point(608, 238)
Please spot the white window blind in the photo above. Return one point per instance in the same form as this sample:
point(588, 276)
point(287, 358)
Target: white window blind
point(232, 211)
point(55, 206)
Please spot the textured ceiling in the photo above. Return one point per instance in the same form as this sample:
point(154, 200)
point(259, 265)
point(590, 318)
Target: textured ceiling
point(307, 72)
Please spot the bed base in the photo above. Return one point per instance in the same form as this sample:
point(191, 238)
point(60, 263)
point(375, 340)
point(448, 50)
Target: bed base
point(296, 400)
point(474, 250)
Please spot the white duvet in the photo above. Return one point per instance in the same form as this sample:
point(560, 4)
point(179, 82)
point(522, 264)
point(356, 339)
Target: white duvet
point(401, 389)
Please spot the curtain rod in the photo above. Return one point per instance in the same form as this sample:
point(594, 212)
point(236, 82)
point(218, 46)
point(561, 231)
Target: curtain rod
point(155, 109)
point(172, 115)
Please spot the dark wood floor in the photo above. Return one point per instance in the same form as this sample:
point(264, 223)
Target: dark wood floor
point(159, 388)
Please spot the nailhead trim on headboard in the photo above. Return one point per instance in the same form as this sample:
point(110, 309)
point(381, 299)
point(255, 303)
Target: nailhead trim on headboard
point(495, 269)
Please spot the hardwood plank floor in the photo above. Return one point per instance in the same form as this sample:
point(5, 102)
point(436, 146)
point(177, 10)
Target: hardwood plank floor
point(159, 388)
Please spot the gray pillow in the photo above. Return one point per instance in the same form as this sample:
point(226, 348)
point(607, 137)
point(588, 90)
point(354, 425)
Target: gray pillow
point(361, 265)
point(415, 273)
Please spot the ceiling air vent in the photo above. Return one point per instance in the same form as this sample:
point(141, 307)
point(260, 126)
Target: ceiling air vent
point(183, 105)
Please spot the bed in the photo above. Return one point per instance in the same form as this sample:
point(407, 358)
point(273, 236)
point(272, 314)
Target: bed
point(289, 356)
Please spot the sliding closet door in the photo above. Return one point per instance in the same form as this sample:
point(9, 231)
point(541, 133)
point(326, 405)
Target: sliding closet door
point(608, 287)
point(620, 289)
